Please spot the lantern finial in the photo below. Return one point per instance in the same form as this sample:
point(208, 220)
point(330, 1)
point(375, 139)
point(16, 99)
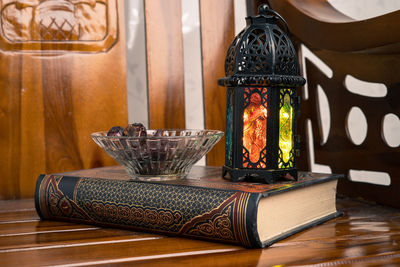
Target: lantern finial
point(263, 9)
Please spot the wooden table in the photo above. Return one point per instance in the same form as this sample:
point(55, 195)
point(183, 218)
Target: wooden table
point(366, 235)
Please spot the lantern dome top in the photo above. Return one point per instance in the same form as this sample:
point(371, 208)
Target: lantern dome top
point(262, 53)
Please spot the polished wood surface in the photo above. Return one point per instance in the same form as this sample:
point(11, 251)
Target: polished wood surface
point(165, 73)
point(368, 50)
point(217, 33)
point(367, 235)
point(62, 77)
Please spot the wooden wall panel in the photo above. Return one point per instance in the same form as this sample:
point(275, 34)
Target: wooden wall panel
point(217, 33)
point(165, 71)
point(58, 84)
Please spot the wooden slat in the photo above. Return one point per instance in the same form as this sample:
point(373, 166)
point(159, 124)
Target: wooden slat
point(16, 205)
point(18, 216)
point(165, 78)
point(217, 33)
point(227, 257)
point(272, 257)
point(10, 116)
point(77, 238)
point(55, 93)
point(32, 157)
point(110, 252)
point(11, 229)
point(59, 128)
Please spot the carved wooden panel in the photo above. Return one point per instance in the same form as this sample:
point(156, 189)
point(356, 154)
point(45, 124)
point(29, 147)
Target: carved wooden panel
point(340, 151)
point(62, 77)
point(90, 25)
point(368, 51)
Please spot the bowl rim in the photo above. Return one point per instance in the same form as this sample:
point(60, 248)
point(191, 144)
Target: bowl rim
point(103, 134)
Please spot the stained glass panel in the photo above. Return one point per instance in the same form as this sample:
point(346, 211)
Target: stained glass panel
point(229, 128)
point(254, 127)
point(286, 131)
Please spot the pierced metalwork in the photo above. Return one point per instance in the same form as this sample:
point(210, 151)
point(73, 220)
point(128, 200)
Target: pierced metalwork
point(262, 51)
point(261, 70)
point(285, 55)
point(247, 163)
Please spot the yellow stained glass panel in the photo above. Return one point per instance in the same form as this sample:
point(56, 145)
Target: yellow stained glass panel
point(286, 131)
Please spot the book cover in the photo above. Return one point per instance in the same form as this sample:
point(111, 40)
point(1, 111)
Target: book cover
point(202, 206)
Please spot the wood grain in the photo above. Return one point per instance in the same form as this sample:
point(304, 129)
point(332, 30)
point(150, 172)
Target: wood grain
point(59, 238)
point(165, 73)
point(10, 119)
point(55, 93)
point(366, 235)
point(18, 216)
point(59, 128)
point(217, 33)
point(30, 227)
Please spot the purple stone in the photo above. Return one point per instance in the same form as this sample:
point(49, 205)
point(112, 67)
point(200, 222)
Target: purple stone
point(135, 129)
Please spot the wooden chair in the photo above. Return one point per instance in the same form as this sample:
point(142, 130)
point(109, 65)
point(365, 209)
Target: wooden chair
point(369, 51)
point(59, 85)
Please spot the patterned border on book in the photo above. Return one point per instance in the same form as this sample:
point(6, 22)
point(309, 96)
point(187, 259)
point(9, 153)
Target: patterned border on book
point(219, 223)
point(54, 203)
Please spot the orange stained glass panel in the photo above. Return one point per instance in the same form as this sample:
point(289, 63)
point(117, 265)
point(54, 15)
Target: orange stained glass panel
point(255, 128)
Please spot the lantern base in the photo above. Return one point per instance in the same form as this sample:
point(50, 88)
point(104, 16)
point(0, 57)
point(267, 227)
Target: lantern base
point(259, 175)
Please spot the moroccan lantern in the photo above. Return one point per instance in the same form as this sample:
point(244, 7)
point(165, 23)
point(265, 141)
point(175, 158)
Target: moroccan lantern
point(262, 74)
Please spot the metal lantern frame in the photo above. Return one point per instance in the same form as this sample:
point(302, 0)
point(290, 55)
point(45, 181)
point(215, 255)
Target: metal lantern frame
point(261, 71)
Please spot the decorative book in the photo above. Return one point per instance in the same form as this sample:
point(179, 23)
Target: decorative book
point(203, 206)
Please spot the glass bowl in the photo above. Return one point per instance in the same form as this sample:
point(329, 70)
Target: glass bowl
point(162, 154)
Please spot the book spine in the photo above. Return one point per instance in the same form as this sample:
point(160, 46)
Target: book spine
point(204, 213)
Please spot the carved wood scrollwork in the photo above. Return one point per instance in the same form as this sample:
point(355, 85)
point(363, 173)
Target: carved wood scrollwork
point(54, 25)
